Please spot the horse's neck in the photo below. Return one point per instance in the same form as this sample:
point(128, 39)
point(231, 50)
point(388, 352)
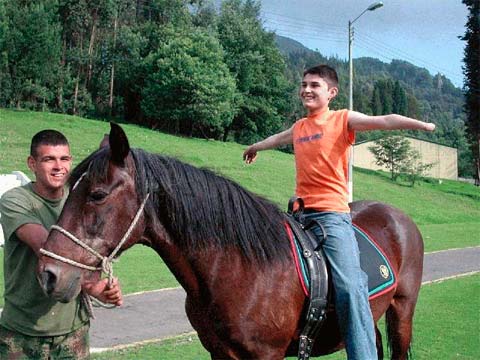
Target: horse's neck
point(175, 259)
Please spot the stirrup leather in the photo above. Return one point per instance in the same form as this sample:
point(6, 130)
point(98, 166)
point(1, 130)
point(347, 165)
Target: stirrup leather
point(315, 259)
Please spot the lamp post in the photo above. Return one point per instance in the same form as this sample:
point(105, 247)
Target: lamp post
point(372, 7)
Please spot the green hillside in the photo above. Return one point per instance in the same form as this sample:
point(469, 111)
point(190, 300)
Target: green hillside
point(451, 205)
point(447, 213)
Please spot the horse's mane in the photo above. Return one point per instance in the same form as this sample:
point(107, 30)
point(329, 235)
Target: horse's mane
point(200, 208)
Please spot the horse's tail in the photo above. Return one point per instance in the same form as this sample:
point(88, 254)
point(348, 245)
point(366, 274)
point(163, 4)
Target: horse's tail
point(391, 327)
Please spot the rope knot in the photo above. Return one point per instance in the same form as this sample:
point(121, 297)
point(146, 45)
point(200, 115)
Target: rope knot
point(107, 268)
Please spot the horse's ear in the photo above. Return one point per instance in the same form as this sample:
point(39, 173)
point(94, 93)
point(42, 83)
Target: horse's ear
point(119, 147)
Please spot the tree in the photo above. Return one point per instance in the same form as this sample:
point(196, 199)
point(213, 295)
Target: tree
point(361, 102)
point(400, 101)
point(30, 50)
point(392, 152)
point(258, 69)
point(376, 103)
point(4, 79)
point(386, 91)
point(413, 168)
point(412, 106)
point(472, 81)
point(132, 47)
point(382, 98)
point(189, 89)
point(85, 29)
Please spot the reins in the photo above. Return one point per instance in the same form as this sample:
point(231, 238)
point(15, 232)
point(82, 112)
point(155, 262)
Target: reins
point(106, 261)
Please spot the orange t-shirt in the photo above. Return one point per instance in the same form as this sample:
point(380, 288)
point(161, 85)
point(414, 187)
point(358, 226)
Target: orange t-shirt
point(321, 144)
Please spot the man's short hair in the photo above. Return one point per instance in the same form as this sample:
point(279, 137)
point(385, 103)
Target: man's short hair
point(47, 137)
point(326, 72)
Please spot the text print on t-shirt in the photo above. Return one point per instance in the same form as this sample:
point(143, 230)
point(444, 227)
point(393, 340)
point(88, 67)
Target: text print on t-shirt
point(309, 138)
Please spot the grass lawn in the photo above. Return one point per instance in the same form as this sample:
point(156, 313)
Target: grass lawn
point(446, 327)
point(141, 269)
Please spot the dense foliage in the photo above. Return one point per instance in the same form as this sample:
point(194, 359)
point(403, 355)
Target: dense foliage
point(472, 81)
point(181, 66)
point(192, 68)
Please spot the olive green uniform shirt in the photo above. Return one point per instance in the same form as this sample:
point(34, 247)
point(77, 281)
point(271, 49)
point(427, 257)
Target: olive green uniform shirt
point(27, 309)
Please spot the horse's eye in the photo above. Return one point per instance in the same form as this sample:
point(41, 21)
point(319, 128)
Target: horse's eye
point(97, 196)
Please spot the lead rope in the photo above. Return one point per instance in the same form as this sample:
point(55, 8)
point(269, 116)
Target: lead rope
point(107, 261)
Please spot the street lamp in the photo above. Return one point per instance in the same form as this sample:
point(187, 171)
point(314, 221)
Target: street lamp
point(372, 7)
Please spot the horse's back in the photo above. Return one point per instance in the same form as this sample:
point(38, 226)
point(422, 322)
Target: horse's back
point(382, 220)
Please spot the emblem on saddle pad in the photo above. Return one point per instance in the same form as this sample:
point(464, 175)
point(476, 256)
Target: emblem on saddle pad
point(384, 271)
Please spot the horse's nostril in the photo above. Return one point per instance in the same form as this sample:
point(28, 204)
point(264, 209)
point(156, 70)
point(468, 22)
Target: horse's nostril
point(49, 280)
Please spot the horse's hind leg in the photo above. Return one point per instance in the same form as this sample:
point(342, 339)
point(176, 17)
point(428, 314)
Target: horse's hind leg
point(399, 317)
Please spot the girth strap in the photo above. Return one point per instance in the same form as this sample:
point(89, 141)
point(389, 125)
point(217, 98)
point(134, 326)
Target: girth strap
point(315, 259)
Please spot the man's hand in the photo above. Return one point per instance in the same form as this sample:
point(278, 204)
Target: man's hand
point(101, 291)
point(250, 154)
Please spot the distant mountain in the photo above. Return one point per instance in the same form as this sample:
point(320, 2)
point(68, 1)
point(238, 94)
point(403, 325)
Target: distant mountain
point(367, 66)
point(288, 46)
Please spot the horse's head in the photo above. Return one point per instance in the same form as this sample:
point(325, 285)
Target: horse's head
point(103, 209)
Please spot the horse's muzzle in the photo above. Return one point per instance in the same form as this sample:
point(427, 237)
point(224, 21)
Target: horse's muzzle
point(62, 287)
point(48, 280)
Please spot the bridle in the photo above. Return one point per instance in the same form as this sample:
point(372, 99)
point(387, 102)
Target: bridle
point(106, 261)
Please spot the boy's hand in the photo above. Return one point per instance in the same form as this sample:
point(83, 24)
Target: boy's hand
point(250, 154)
point(101, 291)
point(429, 126)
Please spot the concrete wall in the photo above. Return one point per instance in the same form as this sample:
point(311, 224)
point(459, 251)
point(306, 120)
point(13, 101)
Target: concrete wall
point(444, 158)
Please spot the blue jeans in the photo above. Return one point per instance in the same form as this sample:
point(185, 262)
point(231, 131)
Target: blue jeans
point(350, 283)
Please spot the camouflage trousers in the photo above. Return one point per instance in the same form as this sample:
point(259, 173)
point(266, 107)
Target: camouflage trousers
point(16, 346)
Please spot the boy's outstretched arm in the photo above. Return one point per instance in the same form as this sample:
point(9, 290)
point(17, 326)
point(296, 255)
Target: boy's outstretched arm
point(361, 122)
point(272, 142)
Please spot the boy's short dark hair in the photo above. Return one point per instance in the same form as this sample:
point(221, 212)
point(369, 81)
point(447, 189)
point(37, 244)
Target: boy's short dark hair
point(47, 137)
point(326, 72)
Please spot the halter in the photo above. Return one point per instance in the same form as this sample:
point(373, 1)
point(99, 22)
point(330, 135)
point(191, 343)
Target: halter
point(107, 261)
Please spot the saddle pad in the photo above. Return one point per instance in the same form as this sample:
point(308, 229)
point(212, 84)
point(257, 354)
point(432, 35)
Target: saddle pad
point(381, 277)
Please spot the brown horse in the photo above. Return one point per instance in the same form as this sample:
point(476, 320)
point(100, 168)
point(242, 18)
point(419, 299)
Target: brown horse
point(227, 247)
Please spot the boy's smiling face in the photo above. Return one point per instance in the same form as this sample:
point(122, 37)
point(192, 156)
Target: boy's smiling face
point(315, 93)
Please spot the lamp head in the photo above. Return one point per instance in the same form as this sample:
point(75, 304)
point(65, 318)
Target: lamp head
point(375, 6)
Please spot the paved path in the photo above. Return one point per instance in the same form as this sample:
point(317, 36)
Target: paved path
point(160, 314)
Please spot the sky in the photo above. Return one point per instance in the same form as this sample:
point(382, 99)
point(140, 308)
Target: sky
point(422, 32)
